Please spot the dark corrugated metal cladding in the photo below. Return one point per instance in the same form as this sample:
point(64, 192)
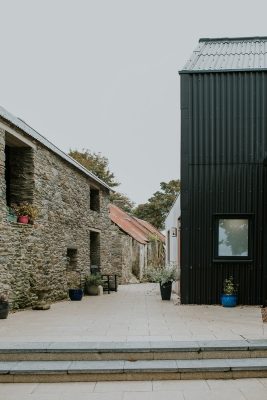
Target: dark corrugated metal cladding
point(223, 146)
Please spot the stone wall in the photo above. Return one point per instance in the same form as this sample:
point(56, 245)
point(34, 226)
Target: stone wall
point(38, 252)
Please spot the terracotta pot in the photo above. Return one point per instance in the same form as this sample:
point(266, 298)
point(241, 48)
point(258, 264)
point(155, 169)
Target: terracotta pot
point(23, 219)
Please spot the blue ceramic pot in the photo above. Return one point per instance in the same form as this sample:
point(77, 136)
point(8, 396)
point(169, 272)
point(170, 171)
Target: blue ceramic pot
point(75, 294)
point(229, 300)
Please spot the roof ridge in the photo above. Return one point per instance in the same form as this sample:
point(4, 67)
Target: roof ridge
point(234, 39)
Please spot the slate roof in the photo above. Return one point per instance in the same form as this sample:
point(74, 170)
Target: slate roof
point(228, 54)
point(28, 130)
point(136, 228)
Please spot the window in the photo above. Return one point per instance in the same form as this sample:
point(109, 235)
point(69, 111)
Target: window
point(232, 237)
point(94, 200)
point(71, 259)
point(94, 250)
point(19, 173)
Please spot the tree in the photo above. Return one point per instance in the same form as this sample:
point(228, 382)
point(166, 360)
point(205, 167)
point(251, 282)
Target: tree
point(157, 207)
point(96, 163)
point(99, 165)
point(122, 201)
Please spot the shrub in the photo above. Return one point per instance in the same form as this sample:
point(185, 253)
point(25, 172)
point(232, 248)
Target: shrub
point(93, 280)
point(163, 275)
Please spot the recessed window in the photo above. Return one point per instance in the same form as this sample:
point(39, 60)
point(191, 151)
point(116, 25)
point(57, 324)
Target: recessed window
point(94, 200)
point(71, 259)
point(232, 237)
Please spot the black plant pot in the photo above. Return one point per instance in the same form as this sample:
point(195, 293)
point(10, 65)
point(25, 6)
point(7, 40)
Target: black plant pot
point(4, 308)
point(75, 294)
point(166, 290)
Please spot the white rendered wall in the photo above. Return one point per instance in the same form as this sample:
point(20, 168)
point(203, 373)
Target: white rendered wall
point(172, 222)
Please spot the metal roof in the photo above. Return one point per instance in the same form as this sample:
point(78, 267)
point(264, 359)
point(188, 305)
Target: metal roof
point(228, 54)
point(28, 130)
point(138, 229)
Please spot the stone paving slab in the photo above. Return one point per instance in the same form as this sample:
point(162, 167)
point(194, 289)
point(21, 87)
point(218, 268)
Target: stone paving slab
point(5, 367)
point(247, 364)
point(96, 367)
point(134, 313)
point(151, 366)
point(210, 345)
point(39, 367)
point(237, 389)
point(202, 365)
point(119, 347)
point(145, 366)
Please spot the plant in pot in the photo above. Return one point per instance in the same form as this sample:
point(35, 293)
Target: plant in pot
point(91, 284)
point(74, 281)
point(4, 306)
point(229, 296)
point(25, 212)
point(164, 276)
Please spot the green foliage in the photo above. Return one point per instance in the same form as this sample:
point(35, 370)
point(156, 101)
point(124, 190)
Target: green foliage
point(96, 163)
point(25, 209)
point(158, 206)
point(162, 275)
point(93, 280)
point(229, 287)
point(122, 201)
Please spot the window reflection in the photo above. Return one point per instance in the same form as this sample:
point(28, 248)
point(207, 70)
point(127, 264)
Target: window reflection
point(233, 238)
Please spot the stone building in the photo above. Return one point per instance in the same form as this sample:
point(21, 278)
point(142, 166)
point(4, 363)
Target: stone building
point(136, 246)
point(73, 228)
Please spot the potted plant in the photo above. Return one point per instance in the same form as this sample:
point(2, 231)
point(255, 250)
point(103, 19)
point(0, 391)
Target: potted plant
point(164, 276)
point(229, 296)
point(26, 212)
point(4, 306)
point(91, 284)
point(75, 292)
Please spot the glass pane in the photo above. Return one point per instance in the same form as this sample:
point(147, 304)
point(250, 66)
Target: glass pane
point(233, 238)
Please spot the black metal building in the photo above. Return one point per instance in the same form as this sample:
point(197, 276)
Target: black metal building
point(224, 170)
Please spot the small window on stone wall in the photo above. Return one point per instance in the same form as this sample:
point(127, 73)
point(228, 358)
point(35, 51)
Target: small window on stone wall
point(71, 259)
point(19, 173)
point(94, 250)
point(94, 200)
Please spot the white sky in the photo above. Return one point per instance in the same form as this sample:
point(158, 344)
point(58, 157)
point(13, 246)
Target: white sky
point(102, 74)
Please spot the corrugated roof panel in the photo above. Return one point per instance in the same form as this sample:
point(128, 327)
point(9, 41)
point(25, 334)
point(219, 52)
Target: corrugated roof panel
point(228, 54)
point(138, 229)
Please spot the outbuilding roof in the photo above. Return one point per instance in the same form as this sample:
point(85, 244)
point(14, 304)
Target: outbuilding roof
point(228, 54)
point(138, 229)
point(28, 130)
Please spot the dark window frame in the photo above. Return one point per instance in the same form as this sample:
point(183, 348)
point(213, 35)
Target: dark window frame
point(232, 259)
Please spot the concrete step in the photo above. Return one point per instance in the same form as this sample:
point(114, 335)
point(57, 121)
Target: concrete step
point(132, 351)
point(83, 371)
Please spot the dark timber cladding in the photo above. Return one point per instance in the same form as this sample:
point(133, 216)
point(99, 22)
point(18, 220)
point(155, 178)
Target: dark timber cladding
point(223, 168)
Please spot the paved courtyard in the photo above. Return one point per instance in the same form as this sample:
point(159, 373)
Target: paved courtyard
point(134, 313)
point(240, 389)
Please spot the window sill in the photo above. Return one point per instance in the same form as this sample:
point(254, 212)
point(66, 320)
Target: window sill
point(13, 223)
point(232, 260)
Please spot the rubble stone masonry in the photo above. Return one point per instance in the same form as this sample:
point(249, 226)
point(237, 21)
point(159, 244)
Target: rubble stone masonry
point(32, 255)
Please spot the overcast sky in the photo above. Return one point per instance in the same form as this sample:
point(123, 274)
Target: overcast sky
point(103, 74)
